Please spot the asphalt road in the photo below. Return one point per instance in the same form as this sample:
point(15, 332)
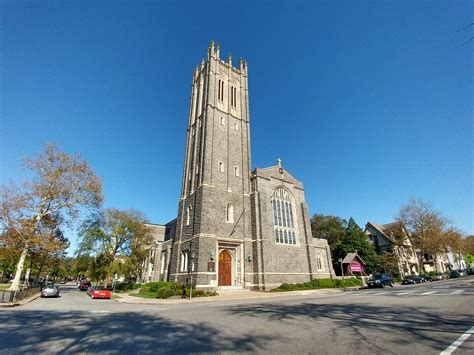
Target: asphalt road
point(415, 319)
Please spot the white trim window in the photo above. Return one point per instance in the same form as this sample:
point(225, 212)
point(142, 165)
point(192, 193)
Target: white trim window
point(184, 261)
point(163, 262)
point(229, 213)
point(284, 217)
point(189, 211)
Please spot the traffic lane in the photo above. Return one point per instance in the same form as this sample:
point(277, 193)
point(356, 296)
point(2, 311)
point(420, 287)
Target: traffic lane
point(119, 332)
point(373, 324)
point(323, 325)
point(70, 298)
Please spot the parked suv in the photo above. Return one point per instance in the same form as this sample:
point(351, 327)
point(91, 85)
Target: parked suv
point(84, 285)
point(380, 280)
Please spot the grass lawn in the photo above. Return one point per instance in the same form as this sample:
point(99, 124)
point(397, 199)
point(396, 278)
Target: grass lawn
point(4, 286)
point(115, 296)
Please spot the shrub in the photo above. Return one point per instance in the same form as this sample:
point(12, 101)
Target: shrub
point(319, 283)
point(155, 286)
point(127, 286)
point(165, 292)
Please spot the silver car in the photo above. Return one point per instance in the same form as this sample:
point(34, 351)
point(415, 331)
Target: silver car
point(50, 291)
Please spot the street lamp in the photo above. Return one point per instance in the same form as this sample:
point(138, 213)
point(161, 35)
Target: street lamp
point(342, 273)
point(192, 256)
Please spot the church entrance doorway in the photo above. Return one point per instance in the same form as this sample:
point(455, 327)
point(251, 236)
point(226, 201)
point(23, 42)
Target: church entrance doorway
point(225, 268)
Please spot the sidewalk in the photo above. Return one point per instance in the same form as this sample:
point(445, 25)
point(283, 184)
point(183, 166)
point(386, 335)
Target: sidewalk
point(21, 302)
point(239, 295)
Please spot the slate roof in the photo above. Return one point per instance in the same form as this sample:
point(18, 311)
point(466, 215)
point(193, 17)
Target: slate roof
point(386, 229)
point(351, 256)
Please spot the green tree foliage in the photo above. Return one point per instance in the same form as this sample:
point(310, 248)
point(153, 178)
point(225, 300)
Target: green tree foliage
point(353, 240)
point(118, 240)
point(388, 263)
point(331, 228)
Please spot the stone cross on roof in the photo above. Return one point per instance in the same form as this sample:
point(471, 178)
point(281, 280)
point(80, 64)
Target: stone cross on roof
point(279, 161)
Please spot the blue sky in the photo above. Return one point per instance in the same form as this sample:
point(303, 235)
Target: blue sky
point(368, 102)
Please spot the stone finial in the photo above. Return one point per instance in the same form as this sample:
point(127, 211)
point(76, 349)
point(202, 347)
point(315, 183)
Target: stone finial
point(202, 63)
point(218, 50)
point(279, 162)
point(229, 60)
point(210, 50)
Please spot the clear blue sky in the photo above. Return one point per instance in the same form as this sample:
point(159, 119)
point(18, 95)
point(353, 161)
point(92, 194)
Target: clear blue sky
point(367, 102)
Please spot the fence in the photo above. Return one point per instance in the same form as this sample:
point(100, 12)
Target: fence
point(7, 296)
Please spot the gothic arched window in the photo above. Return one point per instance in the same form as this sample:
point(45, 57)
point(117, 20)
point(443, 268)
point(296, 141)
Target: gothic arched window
point(189, 210)
point(229, 213)
point(284, 218)
point(184, 261)
point(319, 262)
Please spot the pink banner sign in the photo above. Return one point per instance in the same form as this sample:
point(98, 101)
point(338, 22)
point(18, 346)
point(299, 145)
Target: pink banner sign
point(356, 267)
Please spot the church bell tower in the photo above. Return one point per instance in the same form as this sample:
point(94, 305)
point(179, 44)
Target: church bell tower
point(213, 232)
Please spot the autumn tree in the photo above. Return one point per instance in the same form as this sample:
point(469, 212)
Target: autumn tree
point(426, 225)
point(115, 235)
point(60, 184)
point(468, 248)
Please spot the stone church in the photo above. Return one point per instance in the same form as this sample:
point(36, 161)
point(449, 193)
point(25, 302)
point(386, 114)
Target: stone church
point(235, 227)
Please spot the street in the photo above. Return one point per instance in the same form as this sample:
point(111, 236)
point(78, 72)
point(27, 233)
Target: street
point(414, 319)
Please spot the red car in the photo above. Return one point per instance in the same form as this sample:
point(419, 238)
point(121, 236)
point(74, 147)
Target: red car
point(98, 292)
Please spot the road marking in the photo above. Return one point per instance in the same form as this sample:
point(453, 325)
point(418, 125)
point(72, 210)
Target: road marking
point(378, 293)
point(457, 343)
point(428, 293)
point(99, 311)
point(404, 293)
point(456, 292)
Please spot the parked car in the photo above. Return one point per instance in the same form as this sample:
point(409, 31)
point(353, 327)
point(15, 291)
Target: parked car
point(380, 280)
point(50, 291)
point(470, 271)
point(454, 274)
point(84, 285)
point(426, 278)
point(439, 276)
point(412, 279)
point(98, 292)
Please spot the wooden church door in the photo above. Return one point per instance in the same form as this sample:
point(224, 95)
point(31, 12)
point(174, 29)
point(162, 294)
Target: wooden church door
point(225, 268)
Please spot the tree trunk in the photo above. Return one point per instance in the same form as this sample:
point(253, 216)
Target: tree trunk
point(15, 286)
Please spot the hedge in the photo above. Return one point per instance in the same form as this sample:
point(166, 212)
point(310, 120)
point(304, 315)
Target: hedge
point(319, 283)
point(165, 292)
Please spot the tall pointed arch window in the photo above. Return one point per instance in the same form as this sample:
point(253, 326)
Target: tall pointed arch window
point(189, 211)
point(284, 218)
point(229, 213)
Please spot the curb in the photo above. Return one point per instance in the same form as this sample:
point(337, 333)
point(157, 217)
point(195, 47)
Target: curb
point(21, 302)
point(266, 295)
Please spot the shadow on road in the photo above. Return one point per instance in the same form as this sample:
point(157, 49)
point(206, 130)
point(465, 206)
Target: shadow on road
point(368, 323)
point(37, 331)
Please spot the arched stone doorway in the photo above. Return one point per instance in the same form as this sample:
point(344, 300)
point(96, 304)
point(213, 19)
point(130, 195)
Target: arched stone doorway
point(225, 268)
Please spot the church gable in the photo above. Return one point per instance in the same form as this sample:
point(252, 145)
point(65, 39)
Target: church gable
point(278, 173)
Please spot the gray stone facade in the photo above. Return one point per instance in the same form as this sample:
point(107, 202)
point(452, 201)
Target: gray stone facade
point(229, 218)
